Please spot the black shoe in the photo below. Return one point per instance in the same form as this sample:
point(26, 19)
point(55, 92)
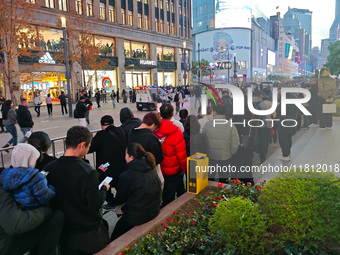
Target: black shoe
point(109, 208)
point(7, 145)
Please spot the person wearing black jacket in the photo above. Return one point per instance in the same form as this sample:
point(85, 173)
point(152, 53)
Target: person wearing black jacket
point(139, 189)
point(24, 119)
point(97, 96)
point(314, 102)
point(62, 99)
point(78, 197)
point(88, 105)
point(128, 121)
point(109, 145)
point(80, 110)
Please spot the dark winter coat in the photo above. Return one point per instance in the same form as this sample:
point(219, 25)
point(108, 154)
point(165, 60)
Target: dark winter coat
point(62, 99)
point(196, 143)
point(24, 117)
point(80, 110)
point(14, 221)
point(139, 188)
point(110, 146)
point(128, 121)
point(28, 186)
point(149, 142)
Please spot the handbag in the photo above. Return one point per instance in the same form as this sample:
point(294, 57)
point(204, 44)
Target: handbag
point(247, 141)
point(328, 108)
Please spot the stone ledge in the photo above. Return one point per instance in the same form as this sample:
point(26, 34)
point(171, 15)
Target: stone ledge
point(131, 236)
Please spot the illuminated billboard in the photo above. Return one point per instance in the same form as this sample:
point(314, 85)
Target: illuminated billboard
point(271, 58)
point(232, 13)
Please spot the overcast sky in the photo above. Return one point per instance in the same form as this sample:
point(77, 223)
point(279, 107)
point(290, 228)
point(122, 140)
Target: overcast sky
point(322, 18)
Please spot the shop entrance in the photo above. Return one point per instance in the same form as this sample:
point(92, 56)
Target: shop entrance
point(137, 78)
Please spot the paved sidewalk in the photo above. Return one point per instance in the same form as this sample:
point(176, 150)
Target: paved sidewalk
point(318, 149)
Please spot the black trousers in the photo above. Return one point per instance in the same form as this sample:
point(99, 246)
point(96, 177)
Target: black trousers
point(98, 102)
point(315, 113)
point(285, 139)
point(49, 109)
point(326, 119)
point(262, 143)
point(171, 183)
point(37, 110)
point(63, 106)
point(121, 228)
point(39, 241)
point(85, 243)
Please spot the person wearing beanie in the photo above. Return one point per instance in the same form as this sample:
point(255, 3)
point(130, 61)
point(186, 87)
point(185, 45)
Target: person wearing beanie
point(128, 121)
point(28, 186)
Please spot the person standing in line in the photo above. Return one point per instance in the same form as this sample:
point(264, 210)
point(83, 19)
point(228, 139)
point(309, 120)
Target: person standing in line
point(117, 95)
point(113, 98)
point(10, 119)
point(78, 196)
point(80, 110)
point(327, 92)
point(37, 103)
point(97, 96)
point(25, 121)
point(49, 104)
point(62, 99)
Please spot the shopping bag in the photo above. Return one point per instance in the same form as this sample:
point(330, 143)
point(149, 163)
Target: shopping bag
point(328, 108)
point(197, 172)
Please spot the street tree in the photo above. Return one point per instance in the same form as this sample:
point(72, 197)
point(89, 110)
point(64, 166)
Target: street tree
point(204, 64)
point(333, 59)
point(19, 38)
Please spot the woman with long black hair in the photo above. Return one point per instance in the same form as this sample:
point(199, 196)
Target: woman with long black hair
point(139, 189)
point(10, 119)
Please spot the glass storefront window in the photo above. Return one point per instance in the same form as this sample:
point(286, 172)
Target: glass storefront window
point(146, 22)
point(139, 20)
point(136, 50)
point(130, 19)
point(112, 13)
point(102, 11)
point(49, 3)
point(51, 40)
point(165, 53)
point(166, 78)
point(123, 16)
point(137, 77)
point(89, 8)
point(63, 5)
point(106, 45)
point(94, 79)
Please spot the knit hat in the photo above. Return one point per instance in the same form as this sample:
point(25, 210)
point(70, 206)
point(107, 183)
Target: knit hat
point(324, 72)
point(24, 155)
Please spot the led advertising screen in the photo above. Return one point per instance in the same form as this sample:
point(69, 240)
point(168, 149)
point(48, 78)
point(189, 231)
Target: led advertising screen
point(232, 13)
point(271, 58)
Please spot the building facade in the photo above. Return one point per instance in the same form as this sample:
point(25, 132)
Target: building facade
point(146, 42)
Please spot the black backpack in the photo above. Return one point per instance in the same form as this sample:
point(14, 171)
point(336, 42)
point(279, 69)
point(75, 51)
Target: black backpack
point(176, 99)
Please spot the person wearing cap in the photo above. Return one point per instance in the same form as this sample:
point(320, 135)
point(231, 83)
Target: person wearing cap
point(80, 110)
point(327, 92)
point(28, 186)
point(109, 145)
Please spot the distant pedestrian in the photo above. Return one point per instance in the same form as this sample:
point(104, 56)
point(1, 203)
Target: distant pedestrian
point(97, 96)
point(62, 99)
point(88, 105)
point(2, 102)
point(49, 104)
point(117, 95)
point(113, 98)
point(37, 103)
point(178, 99)
point(80, 110)
point(124, 96)
point(10, 119)
point(130, 96)
point(24, 119)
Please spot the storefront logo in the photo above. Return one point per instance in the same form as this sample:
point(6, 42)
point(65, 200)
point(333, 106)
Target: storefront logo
point(47, 59)
point(106, 82)
point(147, 62)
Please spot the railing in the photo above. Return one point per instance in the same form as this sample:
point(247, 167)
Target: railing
point(58, 147)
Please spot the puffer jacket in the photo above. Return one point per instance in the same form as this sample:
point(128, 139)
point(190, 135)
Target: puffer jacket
point(327, 87)
point(28, 186)
point(223, 139)
point(174, 148)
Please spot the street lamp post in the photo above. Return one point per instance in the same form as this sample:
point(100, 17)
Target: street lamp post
point(67, 73)
point(184, 55)
point(228, 64)
point(235, 75)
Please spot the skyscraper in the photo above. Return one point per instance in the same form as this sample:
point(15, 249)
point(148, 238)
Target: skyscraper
point(336, 22)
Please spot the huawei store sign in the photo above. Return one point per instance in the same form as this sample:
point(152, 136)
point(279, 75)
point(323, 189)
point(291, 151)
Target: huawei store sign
point(47, 59)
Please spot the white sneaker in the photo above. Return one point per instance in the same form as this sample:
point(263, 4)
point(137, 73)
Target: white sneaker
point(313, 125)
point(282, 158)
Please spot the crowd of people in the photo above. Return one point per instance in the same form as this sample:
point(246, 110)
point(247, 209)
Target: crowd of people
point(46, 201)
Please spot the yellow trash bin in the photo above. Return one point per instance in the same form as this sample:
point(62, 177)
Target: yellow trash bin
point(197, 173)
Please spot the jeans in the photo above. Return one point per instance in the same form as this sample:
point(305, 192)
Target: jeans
point(24, 130)
point(82, 122)
point(13, 131)
point(113, 102)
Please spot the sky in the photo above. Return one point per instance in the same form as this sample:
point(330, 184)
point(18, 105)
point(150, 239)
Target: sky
point(322, 18)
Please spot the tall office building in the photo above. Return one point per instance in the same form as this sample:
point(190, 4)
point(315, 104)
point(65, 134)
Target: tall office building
point(336, 22)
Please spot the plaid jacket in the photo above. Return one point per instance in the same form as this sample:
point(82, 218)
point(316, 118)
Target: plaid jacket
point(28, 186)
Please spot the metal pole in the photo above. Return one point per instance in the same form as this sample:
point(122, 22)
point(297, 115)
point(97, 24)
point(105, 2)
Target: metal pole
point(67, 74)
point(228, 65)
point(185, 74)
point(235, 75)
point(199, 62)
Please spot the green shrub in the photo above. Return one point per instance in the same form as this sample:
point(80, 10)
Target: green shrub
point(303, 211)
point(238, 223)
